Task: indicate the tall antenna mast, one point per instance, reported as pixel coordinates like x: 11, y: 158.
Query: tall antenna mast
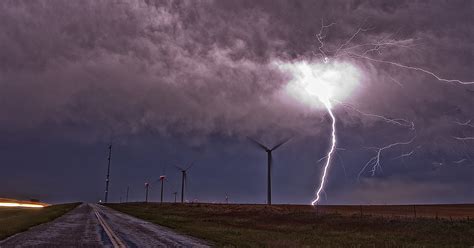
x: 108, y: 175
x: 269, y: 177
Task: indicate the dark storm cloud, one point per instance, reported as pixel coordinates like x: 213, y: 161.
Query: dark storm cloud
x: 127, y: 66
x: 183, y: 64
x: 91, y: 69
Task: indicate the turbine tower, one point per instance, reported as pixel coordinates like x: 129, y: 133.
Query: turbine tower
x: 162, y: 179
x: 175, y: 193
x: 107, y: 179
x: 183, y: 179
x: 147, y: 185
x: 269, y: 165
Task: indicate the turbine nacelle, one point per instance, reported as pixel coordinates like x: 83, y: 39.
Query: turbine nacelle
x: 265, y: 148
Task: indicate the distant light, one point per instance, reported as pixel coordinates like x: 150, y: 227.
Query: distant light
x: 21, y: 205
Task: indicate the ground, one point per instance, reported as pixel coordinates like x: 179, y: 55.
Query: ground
x: 14, y: 220
x: 307, y: 226
x: 93, y: 225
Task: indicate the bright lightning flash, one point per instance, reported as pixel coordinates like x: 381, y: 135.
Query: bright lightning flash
x: 326, y: 81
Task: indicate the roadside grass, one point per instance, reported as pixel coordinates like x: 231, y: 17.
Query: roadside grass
x: 301, y: 226
x: 15, y: 220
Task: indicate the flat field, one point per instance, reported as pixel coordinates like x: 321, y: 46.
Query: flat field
x: 237, y: 225
x: 14, y: 220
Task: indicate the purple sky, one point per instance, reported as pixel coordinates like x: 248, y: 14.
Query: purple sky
x: 178, y: 81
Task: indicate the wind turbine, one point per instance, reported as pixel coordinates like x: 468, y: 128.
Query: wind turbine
x: 147, y: 185
x: 183, y: 179
x: 162, y: 179
x: 269, y: 164
x: 175, y: 193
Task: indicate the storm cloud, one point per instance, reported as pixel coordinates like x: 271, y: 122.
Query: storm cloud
x: 87, y: 71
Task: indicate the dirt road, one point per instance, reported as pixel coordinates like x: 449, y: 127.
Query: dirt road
x: 92, y: 225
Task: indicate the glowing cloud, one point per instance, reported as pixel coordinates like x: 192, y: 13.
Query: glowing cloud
x: 329, y: 81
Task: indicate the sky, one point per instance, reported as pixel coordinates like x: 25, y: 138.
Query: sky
x: 170, y: 83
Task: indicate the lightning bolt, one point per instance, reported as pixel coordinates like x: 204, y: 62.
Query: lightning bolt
x: 375, y: 160
x: 328, y: 106
x: 466, y: 123
x: 439, y: 78
x: 398, y: 121
x: 345, y: 50
x: 320, y: 37
x: 460, y: 161
x: 408, y: 154
x: 464, y: 138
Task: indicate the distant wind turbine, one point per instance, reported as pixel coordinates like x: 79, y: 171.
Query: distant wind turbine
x: 147, y: 185
x: 175, y: 193
x: 269, y: 163
x: 162, y: 179
x: 183, y: 179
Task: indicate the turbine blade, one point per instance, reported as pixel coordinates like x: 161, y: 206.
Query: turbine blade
x: 191, y: 165
x: 258, y: 144
x: 177, y: 167
x: 280, y: 144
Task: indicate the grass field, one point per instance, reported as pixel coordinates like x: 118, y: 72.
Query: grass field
x: 304, y: 226
x: 14, y: 220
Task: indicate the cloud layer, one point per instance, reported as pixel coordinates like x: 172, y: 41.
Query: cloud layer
x: 89, y: 70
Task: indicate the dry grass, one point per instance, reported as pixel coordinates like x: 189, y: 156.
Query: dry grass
x: 15, y: 220
x: 306, y: 226
x: 452, y: 211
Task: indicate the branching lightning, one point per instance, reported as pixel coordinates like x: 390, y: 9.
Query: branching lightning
x: 460, y: 161
x: 374, y: 162
x: 467, y: 123
x: 464, y: 138
x: 320, y: 37
x: 398, y: 121
x: 323, y: 92
x: 412, y: 68
x: 378, y: 46
x: 408, y: 154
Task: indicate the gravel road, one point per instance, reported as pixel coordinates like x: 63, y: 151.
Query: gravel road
x: 92, y: 225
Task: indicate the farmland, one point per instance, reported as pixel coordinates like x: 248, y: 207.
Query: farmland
x: 306, y: 226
